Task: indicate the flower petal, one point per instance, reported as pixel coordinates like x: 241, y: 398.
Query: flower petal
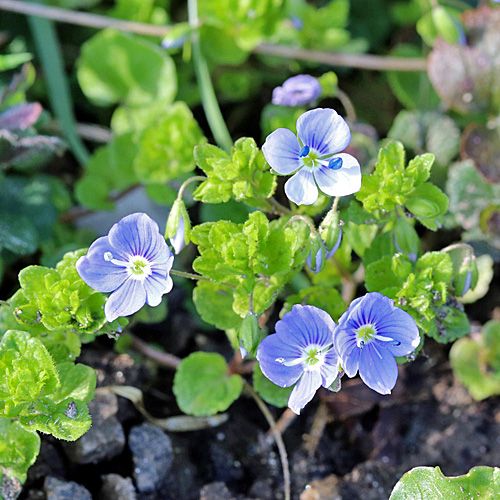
x: 98, y: 273
x: 156, y: 286
x: 304, y: 391
x: 330, y: 368
x: 304, y: 326
x: 271, y: 349
x: 349, y: 352
x: 378, y: 368
x: 125, y: 300
x: 301, y: 188
x: 323, y: 130
x: 342, y: 182
x: 281, y: 151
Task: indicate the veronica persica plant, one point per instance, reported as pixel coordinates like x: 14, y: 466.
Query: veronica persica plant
x: 314, y: 156
x: 369, y: 335
x: 300, y: 351
x: 297, y: 91
x: 133, y: 262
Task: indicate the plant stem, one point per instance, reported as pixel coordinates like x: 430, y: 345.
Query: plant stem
x: 188, y: 181
x: 278, y: 208
x: 348, y: 106
x: 277, y: 436
x: 198, y: 277
x: 162, y: 358
x: 208, y: 98
x: 306, y: 220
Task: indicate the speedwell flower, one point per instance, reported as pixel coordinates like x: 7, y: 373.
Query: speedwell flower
x: 301, y: 350
x: 133, y: 262
x: 370, y: 334
x: 314, y: 157
x: 297, y: 91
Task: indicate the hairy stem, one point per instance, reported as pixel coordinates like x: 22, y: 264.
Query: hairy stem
x: 277, y: 436
x: 198, y: 277
x: 188, y: 181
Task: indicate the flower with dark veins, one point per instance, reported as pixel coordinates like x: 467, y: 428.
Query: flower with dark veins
x: 297, y: 91
x: 314, y: 157
x: 369, y: 336
x: 133, y: 263
x: 302, y: 352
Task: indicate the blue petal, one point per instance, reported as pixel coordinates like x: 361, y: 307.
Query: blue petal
x: 272, y: 348
x: 100, y: 274
x: 324, y: 130
x: 281, y: 151
x: 138, y: 234
x: 349, y: 352
x: 125, y: 300
x: 304, y: 391
x: 378, y: 368
x: 306, y: 325
x: 301, y: 188
x: 330, y: 368
x: 341, y: 182
x: 156, y: 286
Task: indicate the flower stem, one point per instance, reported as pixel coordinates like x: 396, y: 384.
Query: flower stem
x: 188, y: 181
x: 198, y: 277
x: 278, y: 208
x: 348, y: 106
x: 208, y: 98
x: 306, y: 220
x: 277, y: 436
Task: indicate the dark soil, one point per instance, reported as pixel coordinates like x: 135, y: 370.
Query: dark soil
x: 351, y: 445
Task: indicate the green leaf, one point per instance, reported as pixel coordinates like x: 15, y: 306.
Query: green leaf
x: 202, y: 385
x: 269, y: 392
x: 27, y: 372
x: 427, y: 202
x: 67, y: 420
x: 428, y: 483
x: 77, y: 382
x: 109, y: 170
x: 219, y: 46
x: 249, y: 333
x: 440, y: 263
x: 214, y: 304
x: 166, y: 148
x: 116, y: 67
x: 380, y: 276
x: 18, y: 449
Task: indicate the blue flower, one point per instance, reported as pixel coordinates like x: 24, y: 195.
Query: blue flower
x: 300, y: 351
x: 313, y: 157
x: 297, y: 91
x: 370, y: 334
x: 322, y: 255
x: 133, y: 262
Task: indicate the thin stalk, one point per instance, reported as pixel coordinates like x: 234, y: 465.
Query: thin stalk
x: 348, y: 106
x: 198, y: 277
x: 163, y: 358
x: 306, y: 220
x: 277, y: 436
x: 208, y: 98
x: 278, y: 208
x: 188, y: 181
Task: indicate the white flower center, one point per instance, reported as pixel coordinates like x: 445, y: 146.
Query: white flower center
x: 368, y: 333
x: 312, y: 359
x: 137, y: 266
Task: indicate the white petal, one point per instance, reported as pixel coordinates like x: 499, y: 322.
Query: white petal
x: 346, y: 180
x: 304, y: 391
x: 301, y: 188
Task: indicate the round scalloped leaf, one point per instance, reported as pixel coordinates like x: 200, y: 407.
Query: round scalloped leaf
x: 202, y: 385
x: 428, y: 483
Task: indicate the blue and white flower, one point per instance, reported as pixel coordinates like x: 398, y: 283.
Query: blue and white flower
x: 369, y: 335
x: 297, y: 91
x: 301, y: 351
x: 314, y: 157
x: 133, y: 262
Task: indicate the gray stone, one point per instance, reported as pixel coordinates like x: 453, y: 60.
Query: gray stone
x: 215, y: 491
x: 10, y: 488
x: 116, y: 487
x: 152, y: 454
x: 105, y: 439
x: 56, y: 489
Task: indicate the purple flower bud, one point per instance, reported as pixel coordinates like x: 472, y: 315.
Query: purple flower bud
x: 178, y: 241
x: 319, y: 255
x: 297, y: 91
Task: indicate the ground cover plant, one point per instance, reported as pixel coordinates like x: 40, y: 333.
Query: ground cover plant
x: 249, y: 249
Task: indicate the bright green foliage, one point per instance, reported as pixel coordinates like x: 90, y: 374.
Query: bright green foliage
x: 442, y: 22
x: 421, y: 289
x: 109, y: 169
x: 250, y: 334
x: 116, y: 67
x: 393, y: 184
x: 31, y: 388
x: 465, y: 270
x: 242, y: 175
x: 326, y: 298
x: 202, y: 385
x: 18, y: 449
x: 28, y: 211
x: 214, y: 304
x: 476, y: 361
x: 270, y: 393
x: 58, y: 298
x: 246, y: 22
x: 166, y: 147
x: 427, y: 483
x: 257, y: 257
